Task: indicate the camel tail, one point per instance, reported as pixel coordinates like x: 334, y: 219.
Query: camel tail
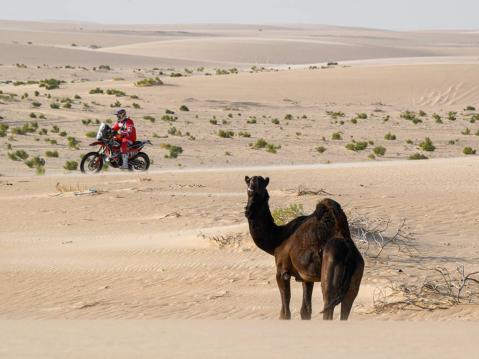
x: 341, y: 269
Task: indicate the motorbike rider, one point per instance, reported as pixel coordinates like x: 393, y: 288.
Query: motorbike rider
x: 126, y: 134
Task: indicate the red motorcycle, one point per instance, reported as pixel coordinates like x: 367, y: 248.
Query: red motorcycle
x: 110, y: 153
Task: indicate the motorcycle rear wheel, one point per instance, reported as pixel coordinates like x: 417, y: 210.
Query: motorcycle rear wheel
x: 92, y: 162
x: 141, y: 162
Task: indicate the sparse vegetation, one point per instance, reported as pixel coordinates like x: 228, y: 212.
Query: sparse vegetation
x: 149, y: 82
x: 173, y: 151
x: 469, y: 151
x: 418, y: 156
x: 51, y: 154
x: 427, y: 145
x: 225, y: 134
x: 321, y: 149
x: 336, y: 136
x: 71, y: 165
x: 281, y: 216
x: 50, y: 84
x: 379, y: 151
x: 184, y: 108
x: 357, y: 146
x: 389, y: 136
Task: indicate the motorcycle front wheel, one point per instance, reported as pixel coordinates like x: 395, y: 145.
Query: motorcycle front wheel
x: 91, y: 163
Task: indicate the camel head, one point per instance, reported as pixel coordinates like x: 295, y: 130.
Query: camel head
x: 257, y: 194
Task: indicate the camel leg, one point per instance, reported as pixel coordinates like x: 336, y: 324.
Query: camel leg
x: 348, y: 300
x: 307, y: 308
x: 327, y: 285
x: 285, y: 289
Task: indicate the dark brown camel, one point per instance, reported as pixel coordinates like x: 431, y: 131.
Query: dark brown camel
x: 314, y: 248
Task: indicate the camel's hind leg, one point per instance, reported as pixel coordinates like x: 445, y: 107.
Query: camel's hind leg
x: 306, y: 308
x: 350, y: 296
x: 283, y: 280
x: 328, y: 286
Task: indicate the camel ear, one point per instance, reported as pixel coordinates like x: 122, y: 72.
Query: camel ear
x: 266, y: 181
x: 247, y: 179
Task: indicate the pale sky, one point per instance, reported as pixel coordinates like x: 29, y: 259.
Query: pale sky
x: 386, y: 14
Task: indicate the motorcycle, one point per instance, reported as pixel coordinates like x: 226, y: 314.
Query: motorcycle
x: 110, y: 153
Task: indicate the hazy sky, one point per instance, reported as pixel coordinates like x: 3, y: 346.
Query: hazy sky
x: 387, y: 14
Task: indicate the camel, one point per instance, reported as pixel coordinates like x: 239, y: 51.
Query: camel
x: 313, y: 248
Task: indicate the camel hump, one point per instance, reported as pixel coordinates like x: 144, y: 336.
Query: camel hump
x: 329, y: 205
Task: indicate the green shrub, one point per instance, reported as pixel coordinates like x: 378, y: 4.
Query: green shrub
x: 417, y: 156
x: 96, y: 91
x: 451, y: 116
x: 437, y: 118
x: 288, y: 117
x: 275, y: 121
x: 469, y: 151
x: 169, y: 112
x: 335, y: 114
x: 36, y: 104
x: 427, y: 145
x: 470, y: 108
x: 336, y: 136
x: 90, y: 134
x: 321, y: 149
x: 260, y: 143
x: 169, y: 118
x: 115, y: 92
x: 18, y: 155
x: 50, y: 84
x: 174, y: 151
x: 51, y: 154
x: 281, y: 216
x: 362, y: 116
x: 35, y: 162
x: 136, y: 106
x: 104, y: 67
x: 73, y: 143
x: 149, y: 82
x: 244, y: 134
x: 3, y: 129
x: 389, y: 136
x: 466, y: 131
x: 71, y: 165
x: 149, y: 118
x: 357, y: 146
x: 379, y: 151
x: 213, y: 122
x: 422, y: 113
x: 225, y: 134
x: 184, y: 108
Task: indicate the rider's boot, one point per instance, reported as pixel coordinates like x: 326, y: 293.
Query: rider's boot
x: 124, y: 158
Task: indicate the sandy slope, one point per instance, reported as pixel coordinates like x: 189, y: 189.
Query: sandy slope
x: 235, y: 339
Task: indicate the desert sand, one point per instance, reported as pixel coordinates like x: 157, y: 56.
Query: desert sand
x: 116, y: 264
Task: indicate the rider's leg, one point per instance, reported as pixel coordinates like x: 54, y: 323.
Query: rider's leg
x: 124, y: 153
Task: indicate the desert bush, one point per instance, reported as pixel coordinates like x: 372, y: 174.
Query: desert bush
x: 379, y: 150
x: 469, y: 151
x: 275, y: 121
x: 417, y: 156
x: 281, y: 216
x: 335, y: 114
x: 149, y: 118
x: 28, y: 127
x: 251, y: 120
x: 96, y: 91
x: 173, y: 151
x: 169, y: 112
x: 104, y: 67
x: 437, y: 118
x: 260, y: 143
x: 357, y: 146
x: 55, y: 105
x: 362, y: 116
x: 354, y: 121
x: 410, y: 116
x: 148, y: 82
x: 389, y: 136
x: 50, y: 84
x: 225, y: 134
x: 3, y: 129
x: 67, y: 105
x: 336, y: 136
x: 470, y: 108
x: 466, y: 131
x: 451, y: 116
x: 36, y: 104
x: 71, y: 165
x: 422, y: 113
x: 51, y: 154
x: 38, y: 163
x: 136, y: 106
x: 55, y: 129
x: 321, y: 149
x: 427, y: 145
x: 184, y: 108
x: 115, y: 92
x: 288, y: 117
x: 213, y: 121
x: 169, y: 118
x: 63, y: 133
x: 244, y: 134
x: 73, y: 143
x: 18, y: 155
x: 174, y: 131
x: 90, y: 134
x: 116, y: 104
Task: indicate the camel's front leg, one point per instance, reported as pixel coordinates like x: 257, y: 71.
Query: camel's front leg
x: 307, y: 308
x: 285, y: 289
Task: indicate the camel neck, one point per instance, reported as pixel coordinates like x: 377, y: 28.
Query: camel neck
x: 264, y: 231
